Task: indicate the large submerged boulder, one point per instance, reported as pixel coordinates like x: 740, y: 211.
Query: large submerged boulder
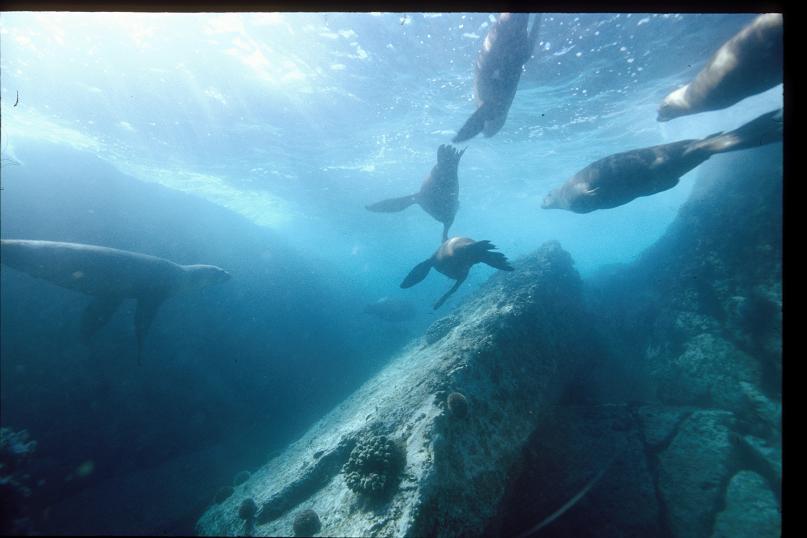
x: 393, y: 459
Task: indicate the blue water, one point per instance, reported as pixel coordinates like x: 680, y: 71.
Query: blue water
x: 253, y: 142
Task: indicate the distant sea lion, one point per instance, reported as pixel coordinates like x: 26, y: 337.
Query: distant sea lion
x: 507, y: 47
x: 439, y: 193
x: 393, y: 310
x: 747, y: 64
x: 454, y: 258
x: 110, y: 275
x: 619, y: 178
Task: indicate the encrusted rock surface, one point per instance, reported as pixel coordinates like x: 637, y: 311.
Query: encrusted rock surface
x: 751, y: 509
x: 511, y: 354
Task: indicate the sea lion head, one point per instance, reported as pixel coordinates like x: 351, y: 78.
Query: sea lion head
x: 202, y: 276
x: 554, y: 200
x: 674, y: 105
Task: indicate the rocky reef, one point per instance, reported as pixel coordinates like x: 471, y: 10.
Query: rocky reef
x: 684, y: 409
x: 510, y: 351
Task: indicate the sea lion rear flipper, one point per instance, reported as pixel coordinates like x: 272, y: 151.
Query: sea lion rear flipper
x: 97, y: 314
x: 494, y: 259
x: 765, y: 129
x: 147, y: 306
x: 447, y: 294
x: 393, y: 204
x: 474, y: 125
x: 417, y: 274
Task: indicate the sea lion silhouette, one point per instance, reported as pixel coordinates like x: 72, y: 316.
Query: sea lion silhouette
x: 505, y: 51
x: 110, y: 276
x: 747, y: 64
x: 454, y: 258
x: 622, y: 177
x: 439, y: 193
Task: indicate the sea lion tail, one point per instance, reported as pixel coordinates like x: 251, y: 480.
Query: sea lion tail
x: 417, y: 274
x: 766, y: 129
x: 494, y: 259
x: 393, y: 205
x: 448, y: 155
x: 474, y: 125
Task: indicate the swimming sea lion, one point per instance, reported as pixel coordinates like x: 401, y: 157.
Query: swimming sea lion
x: 747, y: 64
x: 439, y: 193
x: 619, y: 178
x: 110, y: 275
x: 507, y: 47
x: 454, y: 258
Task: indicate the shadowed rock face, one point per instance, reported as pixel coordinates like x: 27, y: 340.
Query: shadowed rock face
x: 511, y: 353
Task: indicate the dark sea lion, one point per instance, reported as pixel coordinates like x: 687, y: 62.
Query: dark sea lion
x: 507, y: 47
x: 619, y: 178
x: 454, y: 258
x: 393, y: 310
x: 439, y: 193
x: 747, y: 64
x: 110, y: 275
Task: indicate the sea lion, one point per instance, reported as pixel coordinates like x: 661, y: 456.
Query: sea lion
x: 439, y: 193
x: 619, y: 178
x: 110, y: 276
x: 454, y: 258
x: 747, y: 64
x: 505, y: 51
x: 392, y: 310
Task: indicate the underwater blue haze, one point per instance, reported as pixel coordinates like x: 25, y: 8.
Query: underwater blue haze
x: 253, y: 142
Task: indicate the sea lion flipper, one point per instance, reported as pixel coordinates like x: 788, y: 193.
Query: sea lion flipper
x: 393, y: 204
x: 533, y: 36
x: 147, y: 306
x: 447, y: 294
x: 474, y: 125
x: 97, y: 314
x: 417, y: 274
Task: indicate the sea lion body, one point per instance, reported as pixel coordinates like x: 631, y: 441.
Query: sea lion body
x: 506, y: 49
x: 622, y: 177
x: 109, y: 275
x: 747, y: 64
x: 438, y: 194
x: 454, y: 258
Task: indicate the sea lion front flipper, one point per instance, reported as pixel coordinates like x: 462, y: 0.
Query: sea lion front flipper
x: 447, y: 294
x: 533, y: 36
x: 97, y: 314
x: 474, y: 125
x: 417, y: 274
x: 147, y: 306
x: 393, y: 205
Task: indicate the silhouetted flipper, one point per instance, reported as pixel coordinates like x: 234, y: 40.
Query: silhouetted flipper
x: 147, y: 307
x: 494, y: 259
x: 393, y: 204
x: 97, y: 314
x: 474, y: 125
x: 417, y: 274
x: 447, y: 294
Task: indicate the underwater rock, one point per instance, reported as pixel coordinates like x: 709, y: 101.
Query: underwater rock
x: 223, y: 494
x: 708, y: 373
x: 306, y: 523
x: 247, y: 509
x: 240, y: 478
x: 16, y: 449
x: 440, y: 328
x: 751, y: 509
x: 457, y: 405
x: 693, y: 471
x: 374, y: 466
x: 571, y: 446
x: 515, y: 348
x: 659, y: 423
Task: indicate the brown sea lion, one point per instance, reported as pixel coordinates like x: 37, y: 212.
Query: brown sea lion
x: 439, y: 193
x: 622, y: 177
x: 507, y: 47
x: 454, y: 258
x: 747, y: 64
